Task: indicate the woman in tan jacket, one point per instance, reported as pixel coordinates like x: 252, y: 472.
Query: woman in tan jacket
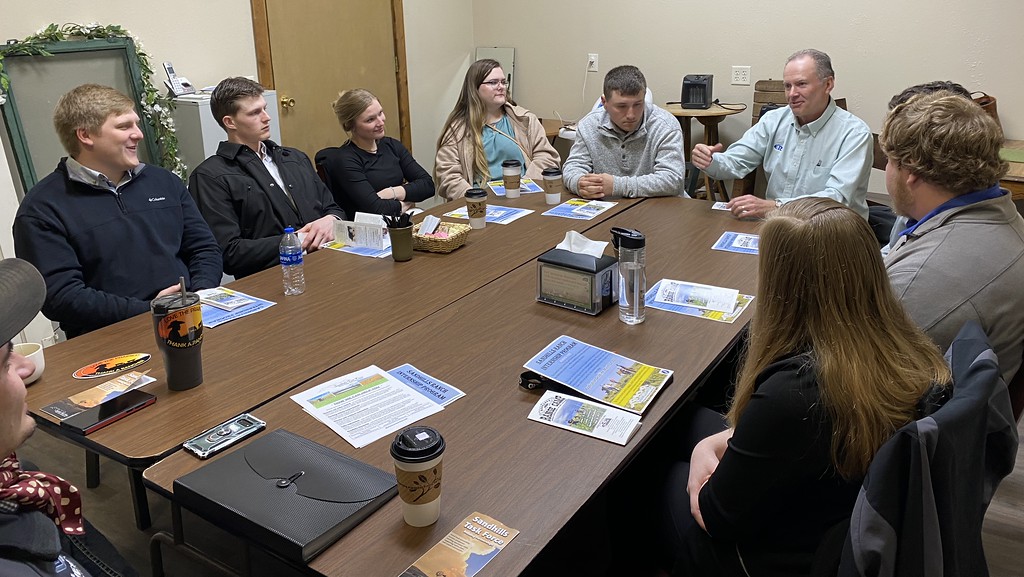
x: 498, y: 131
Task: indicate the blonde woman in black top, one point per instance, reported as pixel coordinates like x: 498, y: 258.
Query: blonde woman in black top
x: 371, y: 172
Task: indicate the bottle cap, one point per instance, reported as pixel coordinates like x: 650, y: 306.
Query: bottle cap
x: 627, y: 238
x: 289, y: 230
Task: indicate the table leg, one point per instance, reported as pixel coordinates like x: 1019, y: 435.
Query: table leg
x: 713, y: 187
x: 176, y: 540
x: 92, y: 469
x: 139, y: 499
x: 684, y: 123
x: 690, y: 172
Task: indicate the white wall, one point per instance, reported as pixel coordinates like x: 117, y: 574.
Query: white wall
x: 878, y: 47
x: 206, y: 41
x: 439, y: 49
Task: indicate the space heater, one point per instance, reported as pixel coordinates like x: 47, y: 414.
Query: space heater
x: 697, y: 90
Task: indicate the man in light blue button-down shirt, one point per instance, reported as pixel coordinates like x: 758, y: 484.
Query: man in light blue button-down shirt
x: 809, y: 148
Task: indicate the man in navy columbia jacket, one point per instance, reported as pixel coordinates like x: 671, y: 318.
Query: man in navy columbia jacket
x: 107, y: 232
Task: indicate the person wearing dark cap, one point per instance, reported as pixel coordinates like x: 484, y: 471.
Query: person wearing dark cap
x: 42, y: 531
x: 253, y: 188
x: 108, y: 232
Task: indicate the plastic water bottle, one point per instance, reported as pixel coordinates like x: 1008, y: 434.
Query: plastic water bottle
x: 632, y: 275
x: 291, y: 263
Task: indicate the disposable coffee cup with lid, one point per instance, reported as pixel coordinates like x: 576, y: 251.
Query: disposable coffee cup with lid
x: 476, y: 207
x: 417, y: 452
x: 553, y: 185
x: 511, y: 172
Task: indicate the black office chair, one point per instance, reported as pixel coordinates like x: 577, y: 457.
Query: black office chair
x: 923, y: 501
x: 880, y: 216
x: 1016, y: 387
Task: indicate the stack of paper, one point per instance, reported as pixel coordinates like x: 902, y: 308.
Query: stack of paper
x: 626, y: 385
x: 579, y: 209
x: 697, y: 300
x: 369, y: 404
x: 221, y: 305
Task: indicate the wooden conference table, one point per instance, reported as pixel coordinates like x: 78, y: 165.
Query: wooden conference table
x: 351, y: 303
x: 527, y: 475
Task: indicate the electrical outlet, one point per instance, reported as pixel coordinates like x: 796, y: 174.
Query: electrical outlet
x: 592, y: 62
x: 741, y: 75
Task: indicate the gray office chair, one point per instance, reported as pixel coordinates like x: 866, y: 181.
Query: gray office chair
x: 923, y: 500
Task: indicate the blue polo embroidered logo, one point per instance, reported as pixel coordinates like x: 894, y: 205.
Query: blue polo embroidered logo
x: 778, y: 147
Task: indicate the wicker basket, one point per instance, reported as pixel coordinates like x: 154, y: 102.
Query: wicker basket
x: 457, y: 234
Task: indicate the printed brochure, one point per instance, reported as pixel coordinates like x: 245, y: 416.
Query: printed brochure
x: 214, y: 315
x: 90, y: 398
x: 526, y: 186
x: 599, y: 374
x: 370, y: 404
x: 742, y: 301
x: 737, y: 242
x: 580, y: 209
x: 465, y: 550
x: 495, y: 214
x: 681, y: 293
x: 224, y: 298
x: 582, y: 416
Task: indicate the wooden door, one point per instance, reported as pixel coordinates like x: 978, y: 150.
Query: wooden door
x: 310, y: 50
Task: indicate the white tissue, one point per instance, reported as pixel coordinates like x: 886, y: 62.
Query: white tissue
x: 576, y: 242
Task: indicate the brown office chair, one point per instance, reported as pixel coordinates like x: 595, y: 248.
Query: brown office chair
x: 766, y: 92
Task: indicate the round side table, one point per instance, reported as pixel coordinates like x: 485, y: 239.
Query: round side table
x: 709, y: 118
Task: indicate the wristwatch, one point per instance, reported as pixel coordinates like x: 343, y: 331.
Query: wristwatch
x: 778, y: 202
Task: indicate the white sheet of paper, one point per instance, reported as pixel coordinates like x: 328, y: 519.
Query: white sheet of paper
x: 365, y: 405
x: 697, y: 295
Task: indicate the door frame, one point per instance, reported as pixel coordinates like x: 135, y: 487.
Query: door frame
x: 265, y: 64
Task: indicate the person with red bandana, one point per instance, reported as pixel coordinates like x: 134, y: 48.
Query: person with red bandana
x: 42, y: 531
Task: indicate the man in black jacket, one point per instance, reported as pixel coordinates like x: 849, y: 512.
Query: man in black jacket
x: 253, y: 188
x: 107, y: 232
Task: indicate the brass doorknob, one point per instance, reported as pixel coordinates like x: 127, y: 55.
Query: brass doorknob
x: 287, y: 102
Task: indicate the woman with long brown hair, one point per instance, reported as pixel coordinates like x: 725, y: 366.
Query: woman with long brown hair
x: 485, y: 129
x: 833, y: 367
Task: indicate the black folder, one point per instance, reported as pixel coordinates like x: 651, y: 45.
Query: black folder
x: 286, y: 493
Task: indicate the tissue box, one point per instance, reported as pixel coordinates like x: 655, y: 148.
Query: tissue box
x: 577, y: 282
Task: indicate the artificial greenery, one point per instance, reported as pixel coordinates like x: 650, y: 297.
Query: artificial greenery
x: 155, y: 108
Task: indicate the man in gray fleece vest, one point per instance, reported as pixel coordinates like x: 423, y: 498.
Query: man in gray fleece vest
x: 626, y: 148
x: 960, y: 255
